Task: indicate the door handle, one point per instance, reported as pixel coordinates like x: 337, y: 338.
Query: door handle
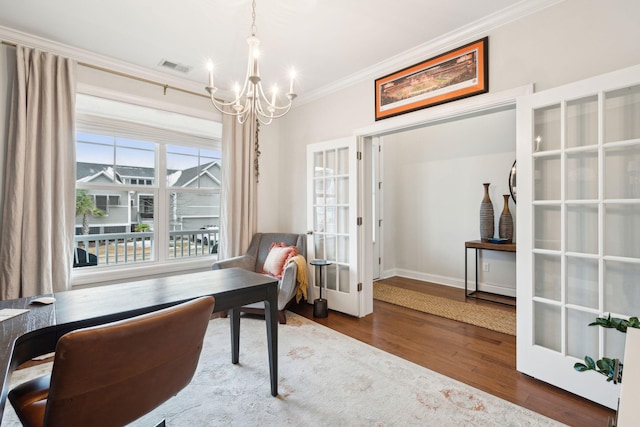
x: 310, y: 232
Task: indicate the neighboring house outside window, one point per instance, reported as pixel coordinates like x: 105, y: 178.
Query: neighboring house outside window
x: 160, y: 201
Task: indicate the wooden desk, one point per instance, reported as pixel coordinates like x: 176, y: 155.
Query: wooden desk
x: 37, y: 332
x: 480, y: 245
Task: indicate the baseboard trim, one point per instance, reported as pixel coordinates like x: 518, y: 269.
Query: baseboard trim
x: 449, y: 281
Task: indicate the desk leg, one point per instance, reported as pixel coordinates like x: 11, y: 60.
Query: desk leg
x: 235, y: 335
x: 271, y: 317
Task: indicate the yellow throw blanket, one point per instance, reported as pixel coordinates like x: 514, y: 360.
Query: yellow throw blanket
x: 301, y: 276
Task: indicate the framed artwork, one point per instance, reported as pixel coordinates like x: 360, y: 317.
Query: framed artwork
x: 453, y: 75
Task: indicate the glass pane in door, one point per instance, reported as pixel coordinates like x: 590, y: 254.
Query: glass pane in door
x: 582, y: 175
x: 547, y: 227
x: 546, y: 133
x: 548, y: 322
x: 622, y: 172
x: 546, y: 272
x: 621, y: 114
x: 582, y: 122
x: 621, y: 287
x: 582, y: 282
x: 582, y: 228
x: 622, y: 230
x: 581, y: 341
x: 546, y: 175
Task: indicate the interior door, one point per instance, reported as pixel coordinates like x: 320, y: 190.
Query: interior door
x: 578, y: 160
x: 332, y: 217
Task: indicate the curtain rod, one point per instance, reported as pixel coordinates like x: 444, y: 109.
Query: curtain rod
x: 129, y: 76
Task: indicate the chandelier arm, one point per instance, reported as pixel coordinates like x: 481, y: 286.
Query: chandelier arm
x: 215, y: 101
x: 264, y: 97
x: 242, y: 93
x: 219, y: 106
x: 243, y: 118
x: 286, y: 110
x: 274, y: 105
x: 258, y: 108
x: 264, y: 121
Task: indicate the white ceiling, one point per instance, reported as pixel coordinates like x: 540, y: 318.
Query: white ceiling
x: 325, y: 40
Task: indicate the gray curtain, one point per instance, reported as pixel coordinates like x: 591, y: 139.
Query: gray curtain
x: 238, y: 204
x: 36, y: 249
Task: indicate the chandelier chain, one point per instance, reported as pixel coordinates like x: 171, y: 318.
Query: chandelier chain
x: 253, y: 18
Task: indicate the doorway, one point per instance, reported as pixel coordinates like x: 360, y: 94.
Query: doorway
x: 426, y: 193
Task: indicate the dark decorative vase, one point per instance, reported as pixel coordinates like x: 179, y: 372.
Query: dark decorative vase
x: 505, y: 226
x: 486, y: 216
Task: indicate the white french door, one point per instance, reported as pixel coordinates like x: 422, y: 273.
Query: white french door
x: 332, y: 218
x: 578, y: 162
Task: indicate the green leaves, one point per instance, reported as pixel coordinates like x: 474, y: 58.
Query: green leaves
x: 604, y: 366
x: 616, y: 323
x: 607, y: 366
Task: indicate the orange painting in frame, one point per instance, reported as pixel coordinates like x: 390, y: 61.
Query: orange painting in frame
x: 457, y: 74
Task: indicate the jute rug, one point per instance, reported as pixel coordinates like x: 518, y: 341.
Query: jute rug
x: 325, y: 379
x: 486, y: 317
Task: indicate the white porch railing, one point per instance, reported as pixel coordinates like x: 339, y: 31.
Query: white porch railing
x: 122, y: 248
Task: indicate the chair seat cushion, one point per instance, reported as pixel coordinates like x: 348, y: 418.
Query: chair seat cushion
x: 277, y: 259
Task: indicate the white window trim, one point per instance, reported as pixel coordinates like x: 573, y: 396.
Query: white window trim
x: 163, y: 266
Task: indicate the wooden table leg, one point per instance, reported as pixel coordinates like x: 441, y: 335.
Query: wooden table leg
x: 271, y: 317
x: 235, y: 335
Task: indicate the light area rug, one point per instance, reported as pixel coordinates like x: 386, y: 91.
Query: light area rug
x: 325, y: 379
x: 483, y: 316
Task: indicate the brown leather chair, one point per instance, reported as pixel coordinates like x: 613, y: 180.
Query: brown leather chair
x: 112, y: 374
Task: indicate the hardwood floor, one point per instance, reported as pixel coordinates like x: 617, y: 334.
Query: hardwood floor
x: 476, y: 356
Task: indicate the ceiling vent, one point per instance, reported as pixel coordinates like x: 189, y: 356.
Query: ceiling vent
x: 175, y: 66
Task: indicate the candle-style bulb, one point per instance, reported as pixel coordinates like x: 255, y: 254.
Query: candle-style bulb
x: 292, y: 74
x: 236, y: 89
x: 210, y: 68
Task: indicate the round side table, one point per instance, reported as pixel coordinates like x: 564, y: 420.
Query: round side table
x: 320, y: 307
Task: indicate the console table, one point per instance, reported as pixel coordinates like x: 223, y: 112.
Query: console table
x: 479, y: 245
x: 37, y: 331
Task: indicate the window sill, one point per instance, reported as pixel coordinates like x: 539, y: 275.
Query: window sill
x: 100, y: 276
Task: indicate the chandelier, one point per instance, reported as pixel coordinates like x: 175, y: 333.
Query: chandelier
x: 250, y: 100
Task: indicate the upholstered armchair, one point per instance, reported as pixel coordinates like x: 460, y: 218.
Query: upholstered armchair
x: 254, y: 260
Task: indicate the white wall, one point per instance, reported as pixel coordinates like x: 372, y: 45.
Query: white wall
x: 432, y: 185
x: 148, y: 94
x: 566, y: 42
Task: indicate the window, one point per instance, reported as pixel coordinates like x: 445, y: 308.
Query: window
x: 156, y: 190
x: 103, y: 201
x: 145, y: 204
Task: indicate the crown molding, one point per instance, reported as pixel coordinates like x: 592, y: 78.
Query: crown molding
x: 429, y: 49
x: 11, y: 36
x: 434, y: 47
